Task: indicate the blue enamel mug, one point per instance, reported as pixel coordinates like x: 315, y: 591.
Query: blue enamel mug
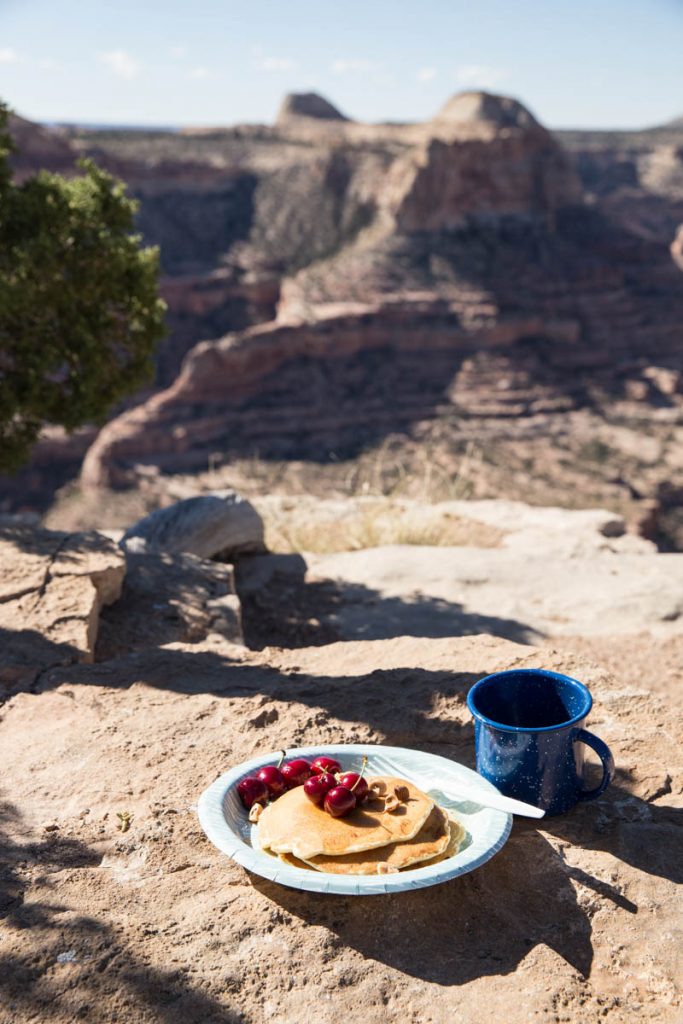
x: 529, y: 737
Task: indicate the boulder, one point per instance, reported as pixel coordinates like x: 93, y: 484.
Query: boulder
x: 218, y: 525
x: 52, y: 586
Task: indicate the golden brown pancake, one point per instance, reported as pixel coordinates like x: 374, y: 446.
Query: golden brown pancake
x: 431, y: 840
x: 455, y: 839
x: 293, y: 824
x: 457, y: 834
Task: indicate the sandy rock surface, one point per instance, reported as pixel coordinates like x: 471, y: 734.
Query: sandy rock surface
x: 445, y: 591
x: 573, y: 921
x: 540, y: 574
x: 52, y: 587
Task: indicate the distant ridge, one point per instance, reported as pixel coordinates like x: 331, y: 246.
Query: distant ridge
x: 97, y: 126
x: 308, y: 104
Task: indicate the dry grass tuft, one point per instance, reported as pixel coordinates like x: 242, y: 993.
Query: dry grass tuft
x: 324, y: 527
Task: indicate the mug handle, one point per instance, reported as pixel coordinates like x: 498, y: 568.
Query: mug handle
x: 605, y: 755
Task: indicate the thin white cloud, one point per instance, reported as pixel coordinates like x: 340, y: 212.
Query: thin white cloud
x: 177, y: 52
x: 276, y: 64
x: 49, y: 65
x: 354, y: 66
x: 201, y: 74
x: 8, y: 55
x: 480, y: 76
x: 426, y: 75
x: 121, y: 64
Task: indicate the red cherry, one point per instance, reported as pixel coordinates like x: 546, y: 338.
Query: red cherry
x: 356, y: 783
x: 318, y: 786
x: 296, y: 772
x: 252, y: 791
x: 325, y: 764
x: 274, y: 780
x: 339, y: 801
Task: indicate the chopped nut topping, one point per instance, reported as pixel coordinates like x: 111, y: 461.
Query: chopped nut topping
x: 402, y: 793
x: 392, y: 803
x: 377, y: 787
x: 255, y: 812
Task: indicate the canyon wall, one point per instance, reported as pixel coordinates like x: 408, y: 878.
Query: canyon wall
x: 459, y: 275
x: 367, y: 279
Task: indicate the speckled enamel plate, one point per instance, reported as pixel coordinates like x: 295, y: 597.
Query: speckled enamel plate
x: 225, y: 822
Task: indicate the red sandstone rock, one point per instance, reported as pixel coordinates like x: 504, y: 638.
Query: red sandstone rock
x: 40, y: 148
x: 447, y: 269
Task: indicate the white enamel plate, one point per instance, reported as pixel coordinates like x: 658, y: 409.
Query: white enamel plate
x: 225, y: 822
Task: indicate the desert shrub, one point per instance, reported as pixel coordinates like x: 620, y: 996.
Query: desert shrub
x: 80, y: 314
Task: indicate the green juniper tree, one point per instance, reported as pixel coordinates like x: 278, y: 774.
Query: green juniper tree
x: 79, y: 309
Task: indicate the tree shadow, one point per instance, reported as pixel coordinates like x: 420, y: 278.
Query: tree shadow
x: 404, y: 706
x: 281, y: 607
x: 26, y: 654
x: 481, y: 924
x: 43, y: 939
x: 397, y: 704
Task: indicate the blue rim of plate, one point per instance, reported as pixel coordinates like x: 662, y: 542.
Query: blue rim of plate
x: 225, y: 822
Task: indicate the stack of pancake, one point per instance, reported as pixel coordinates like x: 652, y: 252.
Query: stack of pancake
x: 371, y: 840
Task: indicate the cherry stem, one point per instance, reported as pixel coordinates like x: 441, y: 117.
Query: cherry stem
x: 283, y: 756
x: 360, y: 774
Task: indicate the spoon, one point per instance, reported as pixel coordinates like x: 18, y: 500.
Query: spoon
x: 460, y: 790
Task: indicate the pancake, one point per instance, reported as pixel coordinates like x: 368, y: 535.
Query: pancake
x: 431, y: 840
x: 456, y: 836
x: 293, y: 824
x: 455, y: 840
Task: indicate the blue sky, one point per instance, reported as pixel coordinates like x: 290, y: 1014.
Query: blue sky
x: 586, y: 63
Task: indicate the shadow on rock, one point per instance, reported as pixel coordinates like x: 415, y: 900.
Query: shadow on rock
x: 639, y: 832
x: 481, y: 924
x: 60, y: 966
x: 403, y: 706
x: 281, y: 607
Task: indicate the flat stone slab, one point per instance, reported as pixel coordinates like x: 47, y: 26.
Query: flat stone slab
x: 52, y: 587
x: 575, y: 920
x: 522, y: 594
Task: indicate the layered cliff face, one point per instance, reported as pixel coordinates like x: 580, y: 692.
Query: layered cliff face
x: 439, y: 279
x: 41, y: 148
x: 459, y: 277
x: 483, y: 155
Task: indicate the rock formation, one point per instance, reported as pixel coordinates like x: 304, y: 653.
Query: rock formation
x: 76, y: 597
x: 537, y: 281
x: 460, y: 268
x: 53, y: 588
x: 604, y: 582
x: 219, y: 525
x: 38, y: 147
x: 485, y: 155
x: 307, y: 104
x: 170, y: 598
